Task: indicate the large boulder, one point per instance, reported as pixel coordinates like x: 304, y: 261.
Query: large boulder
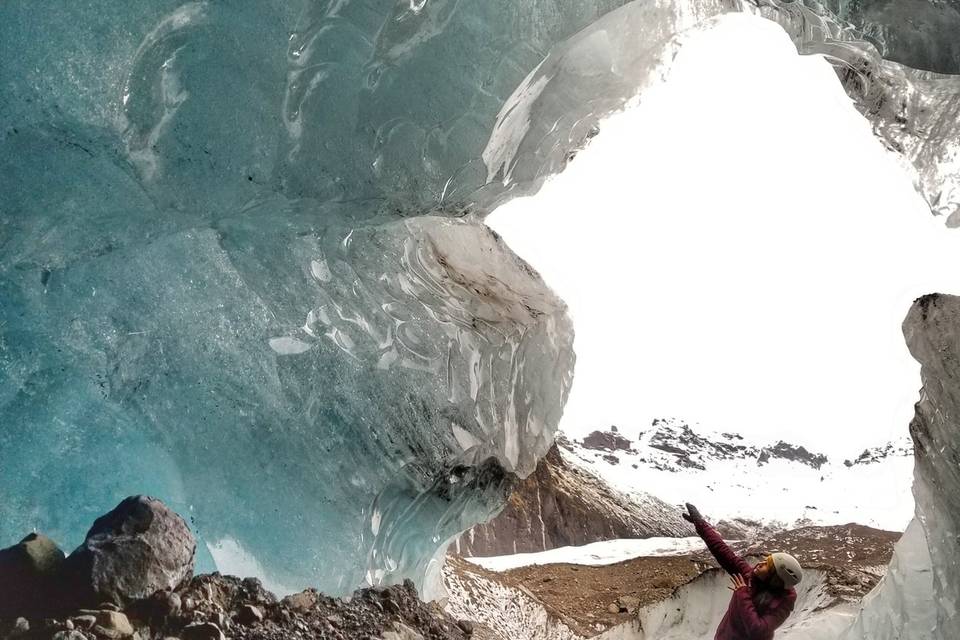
x: 137, y: 549
x: 26, y: 575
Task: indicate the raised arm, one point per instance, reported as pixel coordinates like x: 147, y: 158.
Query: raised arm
x: 730, y: 561
x: 759, y: 627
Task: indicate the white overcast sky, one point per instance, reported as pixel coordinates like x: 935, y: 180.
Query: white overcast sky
x: 739, y: 251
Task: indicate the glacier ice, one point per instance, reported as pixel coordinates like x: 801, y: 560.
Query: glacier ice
x: 240, y: 268
x: 919, y: 596
x: 557, y: 107
x: 917, y: 33
x: 932, y: 331
x: 345, y: 386
x: 899, y: 606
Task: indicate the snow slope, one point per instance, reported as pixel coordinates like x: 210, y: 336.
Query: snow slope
x: 729, y: 477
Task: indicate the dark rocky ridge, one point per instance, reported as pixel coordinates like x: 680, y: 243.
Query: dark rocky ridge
x: 606, y: 441
x: 786, y: 451
x: 874, y: 455
x: 689, y: 447
x: 691, y: 450
x: 560, y: 505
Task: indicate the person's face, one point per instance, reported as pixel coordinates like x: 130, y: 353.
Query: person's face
x: 766, y: 572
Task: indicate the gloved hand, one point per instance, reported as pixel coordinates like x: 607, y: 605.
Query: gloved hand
x: 693, y: 514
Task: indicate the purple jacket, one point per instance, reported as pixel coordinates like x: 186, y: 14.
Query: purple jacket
x: 755, y: 612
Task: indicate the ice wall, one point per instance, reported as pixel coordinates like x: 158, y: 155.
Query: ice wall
x: 206, y: 104
x: 213, y: 289
x: 920, y: 595
x: 208, y: 291
x: 918, y: 33
x: 900, y: 605
x: 932, y: 330
x: 315, y: 399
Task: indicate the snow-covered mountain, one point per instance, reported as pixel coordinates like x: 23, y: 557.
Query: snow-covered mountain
x: 749, y: 483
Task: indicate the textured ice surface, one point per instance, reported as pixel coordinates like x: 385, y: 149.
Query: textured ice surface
x: 932, y: 330
x: 920, y: 595
x: 309, y: 396
x: 900, y: 605
x: 558, y: 105
x: 208, y: 291
x: 918, y: 33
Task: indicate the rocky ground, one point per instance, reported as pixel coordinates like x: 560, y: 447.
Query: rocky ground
x: 853, y: 556
x: 214, y: 607
x: 132, y: 579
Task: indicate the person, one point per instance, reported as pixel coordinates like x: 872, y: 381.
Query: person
x: 763, y: 595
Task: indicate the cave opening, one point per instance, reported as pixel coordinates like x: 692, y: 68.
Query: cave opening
x: 738, y: 251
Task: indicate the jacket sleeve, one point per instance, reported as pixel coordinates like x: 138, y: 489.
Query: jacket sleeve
x: 730, y: 561
x: 755, y: 626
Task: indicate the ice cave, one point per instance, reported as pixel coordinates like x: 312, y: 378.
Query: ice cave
x: 244, y: 266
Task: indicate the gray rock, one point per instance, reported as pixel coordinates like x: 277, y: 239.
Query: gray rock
x: 221, y: 619
x: 28, y: 568
x: 69, y: 634
x: 628, y: 603
x: 249, y: 615
x: 112, y: 625
x: 302, y: 601
x: 160, y: 606
x: 202, y: 631
x: 137, y: 549
x: 20, y: 627
x: 84, y: 621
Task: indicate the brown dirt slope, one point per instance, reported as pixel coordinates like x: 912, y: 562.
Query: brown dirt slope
x: 580, y: 596
x: 561, y: 505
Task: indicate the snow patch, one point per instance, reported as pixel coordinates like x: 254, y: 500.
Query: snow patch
x: 595, y: 554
